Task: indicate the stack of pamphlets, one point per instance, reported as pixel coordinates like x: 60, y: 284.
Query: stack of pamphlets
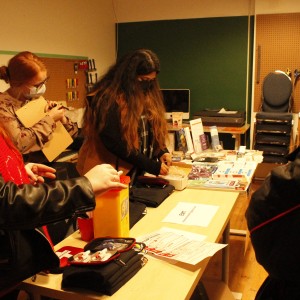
x: 243, y: 170
x: 223, y: 184
x: 202, y: 170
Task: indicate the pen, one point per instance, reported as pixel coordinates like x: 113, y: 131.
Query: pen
x: 64, y: 107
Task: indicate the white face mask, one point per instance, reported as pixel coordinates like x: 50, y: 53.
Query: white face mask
x: 36, y: 92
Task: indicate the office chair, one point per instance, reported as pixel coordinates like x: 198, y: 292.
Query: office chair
x: 277, y: 92
x: 274, y: 122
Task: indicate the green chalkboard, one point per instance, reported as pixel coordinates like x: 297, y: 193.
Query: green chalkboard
x: 207, y: 56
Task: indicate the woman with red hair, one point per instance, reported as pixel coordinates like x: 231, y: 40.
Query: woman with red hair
x: 27, y: 76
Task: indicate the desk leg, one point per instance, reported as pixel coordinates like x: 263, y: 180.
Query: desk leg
x: 225, y: 254
x: 237, y: 141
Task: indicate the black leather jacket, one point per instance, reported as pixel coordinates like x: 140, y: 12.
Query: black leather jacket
x: 24, y: 250
x: 273, y: 218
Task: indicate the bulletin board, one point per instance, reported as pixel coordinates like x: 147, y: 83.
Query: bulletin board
x: 66, y: 84
x: 277, y: 48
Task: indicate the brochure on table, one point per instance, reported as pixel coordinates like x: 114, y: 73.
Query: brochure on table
x: 230, y: 171
x: 178, y: 245
x: 225, y: 175
x: 198, y: 135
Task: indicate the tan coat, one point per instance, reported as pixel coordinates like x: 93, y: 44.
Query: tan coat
x: 93, y: 152
x: 32, y: 139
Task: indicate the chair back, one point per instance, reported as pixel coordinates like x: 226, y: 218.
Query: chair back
x: 277, y: 92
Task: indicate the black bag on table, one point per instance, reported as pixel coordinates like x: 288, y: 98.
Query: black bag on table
x: 106, y: 276
x: 137, y: 210
x: 151, y: 191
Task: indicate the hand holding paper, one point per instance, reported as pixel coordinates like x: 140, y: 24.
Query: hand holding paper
x: 32, y: 113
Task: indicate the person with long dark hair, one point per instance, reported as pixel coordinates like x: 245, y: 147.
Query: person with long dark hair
x: 124, y: 120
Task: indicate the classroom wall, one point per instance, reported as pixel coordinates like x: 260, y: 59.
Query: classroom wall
x: 276, y: 7
x: 86, y: 28
x: 136, y: 10
x: 68, y: 27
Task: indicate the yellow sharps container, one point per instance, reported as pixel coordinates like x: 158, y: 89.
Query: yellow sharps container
x: 111, y: 214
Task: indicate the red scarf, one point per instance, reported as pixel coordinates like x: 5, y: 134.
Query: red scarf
x: 12, y: 168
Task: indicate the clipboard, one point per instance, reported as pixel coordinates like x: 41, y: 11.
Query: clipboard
x: 33, y: 112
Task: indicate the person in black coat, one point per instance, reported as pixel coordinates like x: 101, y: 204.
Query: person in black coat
x: 24, y: 250
x: 273, y: 218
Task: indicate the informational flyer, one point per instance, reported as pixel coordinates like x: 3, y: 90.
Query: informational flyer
x: 198, y: 135
x: 179, y: 245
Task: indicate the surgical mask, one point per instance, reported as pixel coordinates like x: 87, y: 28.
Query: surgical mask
x: 35, y: 92
x: 146, y: 85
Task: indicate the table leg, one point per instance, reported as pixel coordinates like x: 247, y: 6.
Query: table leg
x: 237, y: 141
x: 225, y: 254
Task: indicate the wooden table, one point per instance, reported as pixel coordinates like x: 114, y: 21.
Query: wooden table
x: 236, y: 132
x: 158, y: 279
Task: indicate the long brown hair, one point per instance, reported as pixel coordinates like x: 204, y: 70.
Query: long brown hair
x: 119, y: 86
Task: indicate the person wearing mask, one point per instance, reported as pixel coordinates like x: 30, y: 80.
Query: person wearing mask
x: 124, y: 120
x: 27, y: 77
x: 273, y: 218
x: 27, y: 203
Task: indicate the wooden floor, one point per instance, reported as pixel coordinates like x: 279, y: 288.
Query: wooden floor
x: 246, y: 275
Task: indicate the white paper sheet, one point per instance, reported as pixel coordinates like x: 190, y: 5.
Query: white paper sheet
x: 191, y: 214
x: 179, y: 245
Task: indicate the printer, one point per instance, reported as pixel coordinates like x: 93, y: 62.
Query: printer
x: 221, y: 117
